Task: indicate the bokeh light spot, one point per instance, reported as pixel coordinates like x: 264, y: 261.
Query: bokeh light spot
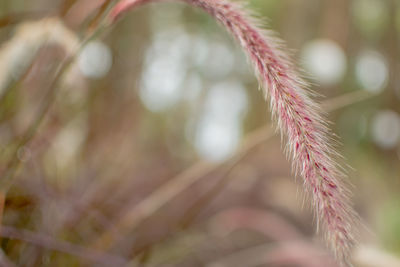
x: 165, y: 70
x: 325, y: 60
x: 372, y: 71
x: 95, y: 60
x: 386, y: 129
x: 219, y: 130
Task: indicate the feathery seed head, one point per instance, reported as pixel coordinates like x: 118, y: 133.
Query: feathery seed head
x: 297, y: 115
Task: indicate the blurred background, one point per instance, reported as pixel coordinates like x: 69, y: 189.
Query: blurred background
x: 154, y: 147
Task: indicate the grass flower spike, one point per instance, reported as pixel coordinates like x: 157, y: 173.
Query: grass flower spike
x: 308, y: 144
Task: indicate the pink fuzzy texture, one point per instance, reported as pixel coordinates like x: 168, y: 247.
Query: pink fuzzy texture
x: 298, y: 118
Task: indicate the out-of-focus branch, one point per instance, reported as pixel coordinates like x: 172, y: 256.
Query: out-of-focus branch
x: 194, y: 210
x: 267, y: 223
x: 148, y: 206
x: 172, y: 188
x: 61, y: 246
x: 87, y: 13
x: 52, y: 31
x: 347, y: 99
x: 18, y: 53
x: 15, y: 58
x: 66, y: 6
x: 298, y: 253
x: 100, y: 13
x: 36, y: 35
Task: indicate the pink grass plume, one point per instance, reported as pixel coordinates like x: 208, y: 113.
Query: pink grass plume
x: 308, y: 143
